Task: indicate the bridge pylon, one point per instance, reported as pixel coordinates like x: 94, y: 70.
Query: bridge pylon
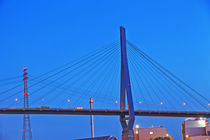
x: 27, y: 131
x: 127, y: 123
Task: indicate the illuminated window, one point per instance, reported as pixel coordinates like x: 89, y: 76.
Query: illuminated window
x: 137, y: 132
x: 151, y: 133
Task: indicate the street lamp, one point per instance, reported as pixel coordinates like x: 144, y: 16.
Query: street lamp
x: 16, y: 101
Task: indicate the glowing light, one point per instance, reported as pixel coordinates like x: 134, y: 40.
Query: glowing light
x: 184, y: 104
x: 140, y: 102
x: 136, y: 132
x: 25, y: 68
x: 68, y: 100
x: 202, y: 118
x: 151, y: 133
x: 91, y: 100
x: 116, y: 102
x: 208, y: 104
x: 137, y: 126
x: 16, y: 99
x: 161, y: 103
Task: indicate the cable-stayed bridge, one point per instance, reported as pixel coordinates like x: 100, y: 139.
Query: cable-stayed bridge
x: 104, y: 112
x: 122, y: 80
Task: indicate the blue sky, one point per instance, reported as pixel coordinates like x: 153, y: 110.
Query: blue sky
x: 44, y: 34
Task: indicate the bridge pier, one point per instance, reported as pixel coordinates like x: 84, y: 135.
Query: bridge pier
x: 127, y: 123
x: 127, y: 135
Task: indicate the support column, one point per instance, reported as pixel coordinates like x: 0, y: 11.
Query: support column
x: 125, y: 90
x: 91, y: 119
x: 27, y: 131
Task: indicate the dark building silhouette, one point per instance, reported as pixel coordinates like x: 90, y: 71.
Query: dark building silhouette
x: 101, y: 138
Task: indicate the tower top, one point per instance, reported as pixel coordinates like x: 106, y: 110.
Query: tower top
x: 91, y: 100
x: 25, y: 68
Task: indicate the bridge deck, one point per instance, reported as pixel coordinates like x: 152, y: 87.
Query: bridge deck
x: 105, y: 112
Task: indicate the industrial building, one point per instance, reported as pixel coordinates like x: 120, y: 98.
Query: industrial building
x: 148, y: 133
x: 195, y: 129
